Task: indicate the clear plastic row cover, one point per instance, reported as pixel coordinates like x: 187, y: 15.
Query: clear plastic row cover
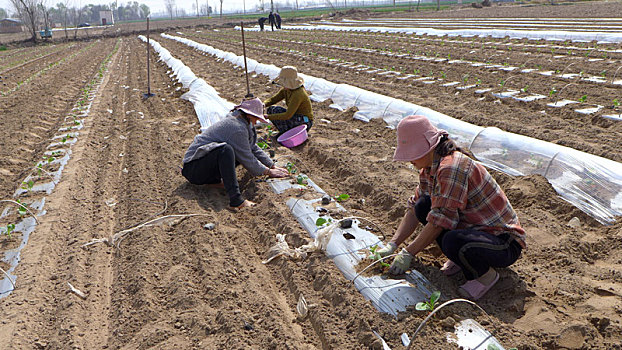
x: 208, y: 105
x: 553, y: 35
x: 507, y: 152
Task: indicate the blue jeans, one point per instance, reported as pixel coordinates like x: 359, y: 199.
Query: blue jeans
x: 474, y: 251
x: 217, y: 165
x: 294, y: 121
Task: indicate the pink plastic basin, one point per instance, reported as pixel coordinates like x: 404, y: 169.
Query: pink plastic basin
x: 293, y: 137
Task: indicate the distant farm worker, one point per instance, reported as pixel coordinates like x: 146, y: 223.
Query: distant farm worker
x: 277, y: 18
x: 298, y: 109
x: 212, y: 157
x: 272, y: 20
x: 461, y: 207
x: 261, y: 21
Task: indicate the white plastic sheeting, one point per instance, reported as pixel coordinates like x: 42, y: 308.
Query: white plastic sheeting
x: 208, y: 105
x: 511, y: 153
x: 553, y: 35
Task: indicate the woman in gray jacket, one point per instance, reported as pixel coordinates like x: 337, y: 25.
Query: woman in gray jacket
x: 213, y: 155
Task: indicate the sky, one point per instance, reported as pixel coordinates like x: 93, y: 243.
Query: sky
x: 158, y: 5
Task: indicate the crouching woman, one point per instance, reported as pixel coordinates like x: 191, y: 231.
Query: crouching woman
x: 461, y: 207
x: 213, y: 155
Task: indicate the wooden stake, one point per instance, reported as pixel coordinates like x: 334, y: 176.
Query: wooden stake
x: 248, y: 88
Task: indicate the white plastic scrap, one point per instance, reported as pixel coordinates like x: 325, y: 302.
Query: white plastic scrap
x: 302, y: 307
x: 76, y: 291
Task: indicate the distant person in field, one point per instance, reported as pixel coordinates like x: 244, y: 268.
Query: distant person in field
x: 298, y: 109
x: 272, y: 20
x: 277, y: 17
x: 459, y: 204
x: 213, y: 155
x: 261, y: 21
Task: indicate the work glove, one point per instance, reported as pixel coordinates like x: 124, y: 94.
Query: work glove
x: 387, y: 250
x: 401, y: 263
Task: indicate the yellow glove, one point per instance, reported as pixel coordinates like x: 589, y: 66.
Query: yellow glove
x: 401, y: 263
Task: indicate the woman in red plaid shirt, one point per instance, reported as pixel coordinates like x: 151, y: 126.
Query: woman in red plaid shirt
x: 461, y: 207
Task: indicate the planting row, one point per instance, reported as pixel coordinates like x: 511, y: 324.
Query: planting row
x: 612, y: 111
x: 26, y: 73
x: 440, y: 68
x: 474, y: 107
x: 17, y: 220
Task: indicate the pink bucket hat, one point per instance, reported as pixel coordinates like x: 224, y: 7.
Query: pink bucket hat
x: 253, y: 107
x: 416, y: 136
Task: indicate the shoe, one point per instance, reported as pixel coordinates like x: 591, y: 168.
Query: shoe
x: 475, y: 289
x: 450, y: 268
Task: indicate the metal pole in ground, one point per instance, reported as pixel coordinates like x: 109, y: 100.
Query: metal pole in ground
x: 148, y: 94
x: 248, y: 88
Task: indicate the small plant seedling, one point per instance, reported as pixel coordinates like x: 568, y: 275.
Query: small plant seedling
x: 28, y: 185
x: 291, y: 168
x: 9, y: 229
x: 21, y: 210
x: 616, y: 104
x: 376, y: 256
x: 552, y: 92
x: 525, y: 88
x: 262, y: 145
x: 301, y: 180
x: 322, y: 221
x: 342, y: 197
x: 429, y: 305
x: 583, y: 98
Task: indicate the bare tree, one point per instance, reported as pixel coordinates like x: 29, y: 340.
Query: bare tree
x: 29, y: 14
x: 220, y: 8
x: 170, y: 7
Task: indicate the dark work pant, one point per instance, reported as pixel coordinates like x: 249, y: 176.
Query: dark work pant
x: 474, y: 251
x: 294, y: 121
x: 217, y: 165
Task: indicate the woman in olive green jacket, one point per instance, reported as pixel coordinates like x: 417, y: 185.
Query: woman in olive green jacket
x: 298, y: 109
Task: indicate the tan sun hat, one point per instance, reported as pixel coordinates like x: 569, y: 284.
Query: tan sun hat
x: 288, y: 78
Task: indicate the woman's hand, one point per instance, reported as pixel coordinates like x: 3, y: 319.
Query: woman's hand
x: 277, y: 172
x: 279, y: 168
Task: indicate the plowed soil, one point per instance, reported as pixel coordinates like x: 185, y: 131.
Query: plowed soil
x: 178, y: 285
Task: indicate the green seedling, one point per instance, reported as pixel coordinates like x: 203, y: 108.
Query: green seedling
x: 28, y: 185
x: 429, y: 305
x: 9, y: 228
x: 291, y: 168
x: 552, y: 92
x: 301, y: 180
x: 616, y: 104
x: 21, y: 210
x: 376, y: 256
x: 583, y: 98
x: 321, y: 221
x: 525, y: 88
x: 262, y: 145
x: 443, y: 75
x: 342, y: 197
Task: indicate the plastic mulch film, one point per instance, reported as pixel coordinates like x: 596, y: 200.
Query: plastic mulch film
x: 386, y: 294
x: 553, y: 35
x: 507, y: 152
x: 208, y: 105
x: 592, y: 187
